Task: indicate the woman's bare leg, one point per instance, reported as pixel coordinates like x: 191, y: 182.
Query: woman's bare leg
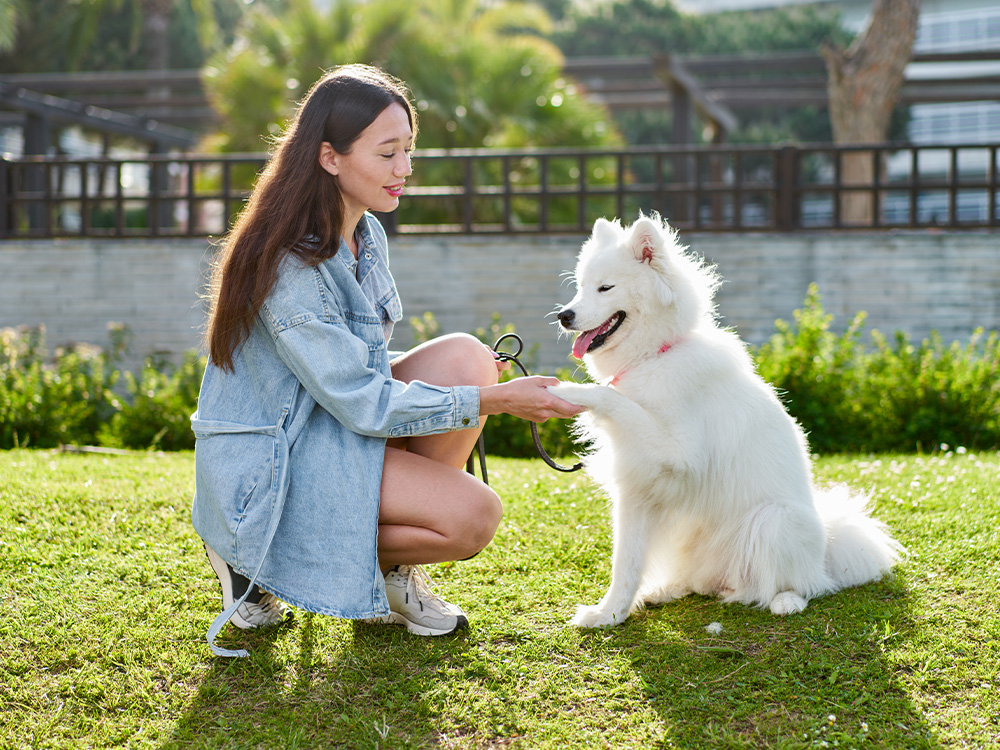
x: 431, y: 512
x: 457, y: 359
x: 431, y: 509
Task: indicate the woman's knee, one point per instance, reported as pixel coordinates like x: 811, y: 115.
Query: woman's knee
x: 466, y: 361
x: 454, y: 359
x: 481, y: 520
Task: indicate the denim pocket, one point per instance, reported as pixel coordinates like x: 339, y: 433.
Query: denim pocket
x: 232, y: 470
x: 391, y: 307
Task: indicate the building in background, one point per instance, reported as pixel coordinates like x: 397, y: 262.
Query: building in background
x: 945, y: 26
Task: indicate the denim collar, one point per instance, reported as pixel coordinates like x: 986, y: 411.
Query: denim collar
x: 366, y: 251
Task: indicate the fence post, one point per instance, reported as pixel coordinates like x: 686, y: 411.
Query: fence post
x: 991, y: 194
x: 470, y: 189
x: 4, y: 199
x: 784, y: 188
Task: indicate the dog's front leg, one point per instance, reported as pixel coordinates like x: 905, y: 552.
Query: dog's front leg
x: 631, y: 534
x: 622, y: 419
x: 608, y: 408
x: 590, y: 395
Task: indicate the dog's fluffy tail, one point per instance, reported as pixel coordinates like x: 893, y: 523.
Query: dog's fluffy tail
x: 859, y: 548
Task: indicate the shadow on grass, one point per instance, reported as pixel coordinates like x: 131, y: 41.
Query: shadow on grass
x: 318, y: 682
x: 822, y: 678
x: 829, y: 675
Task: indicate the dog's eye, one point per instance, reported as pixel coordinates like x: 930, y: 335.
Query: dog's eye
x: 605, y: 287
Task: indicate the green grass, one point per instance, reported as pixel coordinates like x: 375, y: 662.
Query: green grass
x: 106, y: 595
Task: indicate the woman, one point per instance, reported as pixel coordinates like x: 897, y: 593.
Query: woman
x: 326, y: 473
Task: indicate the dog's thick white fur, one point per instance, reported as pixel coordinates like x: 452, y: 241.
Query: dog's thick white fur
x: 709, y: 478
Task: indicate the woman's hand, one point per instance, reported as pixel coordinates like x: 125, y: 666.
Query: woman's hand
x: 527, y: 398
x: 502, y: 364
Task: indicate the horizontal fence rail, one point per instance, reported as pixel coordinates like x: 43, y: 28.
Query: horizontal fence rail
x: 478, y: 191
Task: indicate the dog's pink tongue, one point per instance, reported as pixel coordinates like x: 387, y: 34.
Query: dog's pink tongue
x: 582, y: 342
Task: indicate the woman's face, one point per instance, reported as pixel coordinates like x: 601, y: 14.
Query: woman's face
x: 372, y: 175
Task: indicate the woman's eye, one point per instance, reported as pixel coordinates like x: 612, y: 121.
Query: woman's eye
x: 605, y: 287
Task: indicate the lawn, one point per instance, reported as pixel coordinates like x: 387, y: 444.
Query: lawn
x: 107, y: 594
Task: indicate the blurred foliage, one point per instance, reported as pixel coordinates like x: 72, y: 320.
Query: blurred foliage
x: 655, y: 27
x: 44, y: 404
x: 483, y: 73
x: 78, y: 396
x: 84, y: 35
x: 495, y: 81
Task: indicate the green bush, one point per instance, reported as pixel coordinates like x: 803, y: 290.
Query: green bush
x: 817, y: 374
x: 925, y: 395
x: 890, y: 397
x: 848, y: 396
x: 46, y: 405
x: 78, y: 397
x: 157, y: 411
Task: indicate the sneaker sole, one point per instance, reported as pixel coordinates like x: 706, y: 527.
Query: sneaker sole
x: 222, y: 573
x: 394, y: 618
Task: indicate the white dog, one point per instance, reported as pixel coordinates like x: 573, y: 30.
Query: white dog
x: 709, y: 478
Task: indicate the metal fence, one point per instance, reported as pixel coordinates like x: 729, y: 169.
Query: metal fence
x: 710, y: 189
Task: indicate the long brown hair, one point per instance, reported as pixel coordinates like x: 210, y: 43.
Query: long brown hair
x: 294, y: 197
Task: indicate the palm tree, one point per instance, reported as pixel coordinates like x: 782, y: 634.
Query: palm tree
x: 152, y: 24
x: 8, y: 23
x: 480, y: 75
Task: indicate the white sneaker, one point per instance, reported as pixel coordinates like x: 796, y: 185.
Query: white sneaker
x: 414, y: 604
x: 258, y: 609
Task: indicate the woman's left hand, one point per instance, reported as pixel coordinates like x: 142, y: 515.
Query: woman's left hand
x: 502, y: 364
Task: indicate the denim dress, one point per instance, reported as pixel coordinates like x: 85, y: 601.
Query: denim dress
x: 290, y: 446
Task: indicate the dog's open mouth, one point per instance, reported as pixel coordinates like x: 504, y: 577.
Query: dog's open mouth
x: 588, y: 341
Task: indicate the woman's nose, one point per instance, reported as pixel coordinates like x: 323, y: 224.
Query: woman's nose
x: 403, y: 166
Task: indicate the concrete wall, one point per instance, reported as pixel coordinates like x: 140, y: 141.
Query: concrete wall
x: 76, y: 288
x: 909, y: 281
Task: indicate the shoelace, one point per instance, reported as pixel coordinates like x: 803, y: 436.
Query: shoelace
x: 266, y: 603
x: 419, y: 584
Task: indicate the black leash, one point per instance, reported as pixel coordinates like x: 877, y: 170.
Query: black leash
x: 481, y: 446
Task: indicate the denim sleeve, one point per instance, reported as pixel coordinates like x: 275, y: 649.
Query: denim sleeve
x: 332, y: 364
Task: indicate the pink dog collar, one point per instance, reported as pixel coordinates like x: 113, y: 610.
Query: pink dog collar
x: 619, y: 376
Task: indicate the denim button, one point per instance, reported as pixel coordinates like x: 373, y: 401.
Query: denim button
x: 465, y: 421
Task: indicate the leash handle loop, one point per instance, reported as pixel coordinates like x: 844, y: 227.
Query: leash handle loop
x: 513, y: 357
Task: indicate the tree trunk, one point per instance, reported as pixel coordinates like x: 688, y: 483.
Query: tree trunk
x: 863, y: 84
x: 155, y: 32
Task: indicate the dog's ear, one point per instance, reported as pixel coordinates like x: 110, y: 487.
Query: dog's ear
x: 645, y: 239
x: 606, y: 232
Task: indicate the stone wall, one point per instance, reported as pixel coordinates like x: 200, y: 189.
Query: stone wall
x: 76, y: 288
x: 909, y: 281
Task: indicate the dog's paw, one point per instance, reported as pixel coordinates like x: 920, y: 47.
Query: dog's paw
x: 581, y: 394
x: 787, y: 603
x: 596, y: 617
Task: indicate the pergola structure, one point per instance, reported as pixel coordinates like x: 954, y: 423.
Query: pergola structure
x: 170, y: 109
x: 39, y: 109
x: 728, y: 83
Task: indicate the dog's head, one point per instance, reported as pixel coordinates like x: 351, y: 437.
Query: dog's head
x: 637, y: 289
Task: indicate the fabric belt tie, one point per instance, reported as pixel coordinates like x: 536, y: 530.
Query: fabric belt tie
x: 279, y: 487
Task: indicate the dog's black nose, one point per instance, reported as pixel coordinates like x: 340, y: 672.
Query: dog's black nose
x: 566, y: 318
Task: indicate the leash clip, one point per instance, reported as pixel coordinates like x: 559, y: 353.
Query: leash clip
x: 513, y: 357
